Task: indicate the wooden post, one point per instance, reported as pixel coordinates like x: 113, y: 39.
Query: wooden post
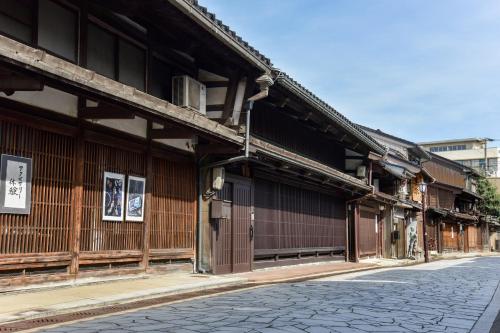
x: 347, y: 242
x: 77, y: 201
x: 356, y: 232
x: 147, y: 200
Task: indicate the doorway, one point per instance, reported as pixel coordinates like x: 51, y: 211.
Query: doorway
x: 233, y: 238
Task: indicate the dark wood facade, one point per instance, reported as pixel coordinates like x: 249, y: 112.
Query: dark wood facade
x: 294, y: 221
x: 65, y: 232
x: 452, y: 214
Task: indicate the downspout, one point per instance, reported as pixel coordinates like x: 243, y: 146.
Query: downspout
x: 264, y: 81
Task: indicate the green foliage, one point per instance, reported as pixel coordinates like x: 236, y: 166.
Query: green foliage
x: 490, y: 205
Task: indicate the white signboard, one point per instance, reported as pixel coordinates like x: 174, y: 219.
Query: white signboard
x: 15, y: 186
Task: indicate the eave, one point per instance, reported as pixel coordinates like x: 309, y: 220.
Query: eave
x: 317, y: 104
x: 40, y: 62
x: 340, y: 179
x: 222, y: 32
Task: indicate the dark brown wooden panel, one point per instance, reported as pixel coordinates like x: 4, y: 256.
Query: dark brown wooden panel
x: 445, y: 173
x: 450, y: 237
x: 242, y: 207
x: 288, y: 217
x: 285, y: 131
x: 222, y: 236
x: 48, y: 227
x: 96, y: 234
x: 173, y: 210
x: 367, y: 235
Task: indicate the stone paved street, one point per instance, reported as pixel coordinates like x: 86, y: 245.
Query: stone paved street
x: 444, y: 296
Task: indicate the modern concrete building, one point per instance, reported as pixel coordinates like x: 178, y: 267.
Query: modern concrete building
x: 471, y: 152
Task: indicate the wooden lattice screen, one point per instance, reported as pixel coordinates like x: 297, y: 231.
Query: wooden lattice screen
x: 96, y: 234
x: 173, y: 205
x: 47, y: 229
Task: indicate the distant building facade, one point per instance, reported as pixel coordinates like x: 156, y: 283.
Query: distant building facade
x: 472, y: 153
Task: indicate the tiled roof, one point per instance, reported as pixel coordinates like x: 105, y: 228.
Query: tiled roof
x: 353, y: 128
x: 211, y: 16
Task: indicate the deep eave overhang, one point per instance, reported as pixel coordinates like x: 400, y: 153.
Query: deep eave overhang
x: 319, y: 105
x: 459, y: 217
x: 40, y: 62
x: 267, y: 149
x: 222, y: 32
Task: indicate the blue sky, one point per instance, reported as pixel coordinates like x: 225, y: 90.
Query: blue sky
x: 419, y: 69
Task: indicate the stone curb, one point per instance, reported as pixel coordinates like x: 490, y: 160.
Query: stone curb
x: 485, y: 322
x: 244, y: 283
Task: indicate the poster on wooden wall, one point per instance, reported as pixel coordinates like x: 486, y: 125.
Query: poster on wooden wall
x: 15, y: 184
x: 113, y: 199
x: 135, y: 199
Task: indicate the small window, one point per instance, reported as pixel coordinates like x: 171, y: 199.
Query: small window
x: 16, y: 19
x: 160, y: 80
x: 132, y: 65
x: 101, y: 51
x: 61, y: 37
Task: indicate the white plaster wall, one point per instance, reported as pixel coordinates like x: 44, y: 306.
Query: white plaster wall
x: 50, y: 99
x: 136, y: 126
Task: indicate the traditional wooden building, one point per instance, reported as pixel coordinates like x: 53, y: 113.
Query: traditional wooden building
x: 284, y: 201
x: 104, y: 120
x: 453, y: 223
x: 397, y: 200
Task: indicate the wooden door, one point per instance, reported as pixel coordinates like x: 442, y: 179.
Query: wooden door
x: 367, y: 234
x: 233, y: 238
x: 242, y: 227
x: 401, y: 242
x: 222, y: 236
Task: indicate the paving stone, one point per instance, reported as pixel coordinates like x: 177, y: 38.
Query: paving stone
x: 445, y: 298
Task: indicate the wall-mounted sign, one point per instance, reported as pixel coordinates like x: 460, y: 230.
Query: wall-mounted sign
x: 135, y: 199
x: 113, y: 199
x: 15, y: 184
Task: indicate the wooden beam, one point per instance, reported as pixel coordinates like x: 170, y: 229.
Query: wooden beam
x: 105, y: 111
x: 11, y: 82
x: 215, y: 107
x: 213, y: 148
x: 77, y: 201
x: 216, y: 84
x: 230, y: 97
x: 171, y: 133
x: 147, y: 200
x: 307, y: 116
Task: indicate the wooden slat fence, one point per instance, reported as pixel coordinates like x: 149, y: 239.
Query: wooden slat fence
x: 48, y: 227
x: 44, y: 238
x: 290, y: 220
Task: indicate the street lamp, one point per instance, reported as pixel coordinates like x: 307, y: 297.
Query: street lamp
x: 423, y: 189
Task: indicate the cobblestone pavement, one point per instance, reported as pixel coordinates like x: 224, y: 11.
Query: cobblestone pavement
x: 444, y: 296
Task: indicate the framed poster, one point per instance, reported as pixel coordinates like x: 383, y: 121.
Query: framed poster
x: 113, y: 198
x: 135, y: 199
x: 15, y: 184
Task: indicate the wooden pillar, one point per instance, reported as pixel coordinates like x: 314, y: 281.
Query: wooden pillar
x: 356, y: 232
x: 77, y: 201
x: 147, y: 200
x: 347, y: 243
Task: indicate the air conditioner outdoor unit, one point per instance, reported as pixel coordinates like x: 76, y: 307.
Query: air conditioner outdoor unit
x: 361, y: 171
x: 189, y: 93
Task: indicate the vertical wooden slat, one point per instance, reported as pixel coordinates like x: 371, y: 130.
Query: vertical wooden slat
x: 147, y: 201
x: 78, y: 174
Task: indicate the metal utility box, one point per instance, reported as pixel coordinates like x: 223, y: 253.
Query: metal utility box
x: 220, y: 209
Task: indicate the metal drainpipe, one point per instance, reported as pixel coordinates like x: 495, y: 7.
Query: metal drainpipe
x: 247, y: 128
x: 265, y: 81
